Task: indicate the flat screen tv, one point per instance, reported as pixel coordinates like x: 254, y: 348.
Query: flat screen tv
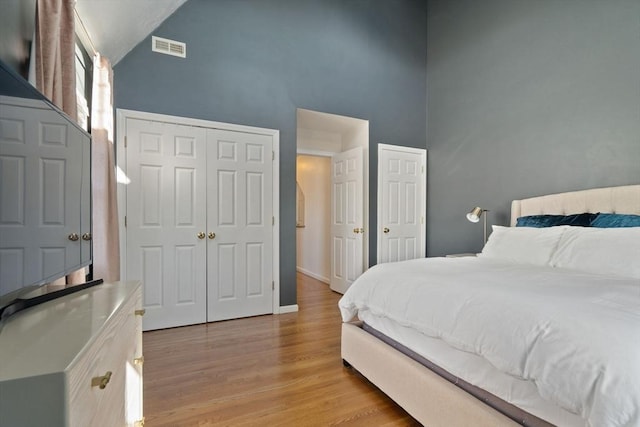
x: 45, y: 196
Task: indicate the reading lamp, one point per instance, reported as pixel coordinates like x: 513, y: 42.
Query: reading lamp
x: 474, y: 216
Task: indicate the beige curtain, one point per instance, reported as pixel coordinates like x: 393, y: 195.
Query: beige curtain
x: 106, y: 244
x: 55, y: 53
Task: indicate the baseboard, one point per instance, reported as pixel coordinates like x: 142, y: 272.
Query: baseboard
x: 288, y: 308
x: 314, y: 275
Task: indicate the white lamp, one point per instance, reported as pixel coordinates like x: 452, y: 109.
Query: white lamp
x: 474, y: 216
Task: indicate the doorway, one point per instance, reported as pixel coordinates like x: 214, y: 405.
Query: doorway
x: 331, y: 246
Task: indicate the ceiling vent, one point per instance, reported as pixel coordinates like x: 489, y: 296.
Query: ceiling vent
x: 168, y: 47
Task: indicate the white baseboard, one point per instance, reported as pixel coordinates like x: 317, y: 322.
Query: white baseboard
x: 314, y: 275
x: 288, y: 308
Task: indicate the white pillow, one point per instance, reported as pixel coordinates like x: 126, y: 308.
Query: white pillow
x: 525, y: 245
x: 613, y: 251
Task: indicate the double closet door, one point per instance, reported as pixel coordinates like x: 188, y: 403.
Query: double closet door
x: 199, y: 224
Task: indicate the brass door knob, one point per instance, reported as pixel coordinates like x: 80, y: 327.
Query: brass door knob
x: 361, y: 230
x: 212, y: 235
x: 356, y: 230
x: 201, y: 235
x: 73, y: 237
x: 86, y: 236
x: 385, y: 230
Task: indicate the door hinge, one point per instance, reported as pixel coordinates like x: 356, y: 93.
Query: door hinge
x: 421, y: 220
x: 422, y: 169
x: 125, y: 141
x: 125, y: 220
x: 273, y: 285
x: 273, y: 220
x: 273, y: 155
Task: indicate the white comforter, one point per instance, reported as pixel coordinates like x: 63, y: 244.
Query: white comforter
x: 575, y: 335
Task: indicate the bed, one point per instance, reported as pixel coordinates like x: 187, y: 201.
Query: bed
x: 509, y: 337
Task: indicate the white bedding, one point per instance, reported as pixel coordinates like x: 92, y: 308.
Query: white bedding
x: 576, y: 336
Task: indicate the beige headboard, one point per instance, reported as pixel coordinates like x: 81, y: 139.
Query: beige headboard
x: 624, y: 199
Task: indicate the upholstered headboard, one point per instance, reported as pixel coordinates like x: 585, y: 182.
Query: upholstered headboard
x: 624, y: 199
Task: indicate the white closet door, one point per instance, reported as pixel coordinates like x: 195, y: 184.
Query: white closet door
x: 166, y: 211
x: 401, y: 203
x: 240, y: 213
x: 347, y: 212
x: 40, y: 176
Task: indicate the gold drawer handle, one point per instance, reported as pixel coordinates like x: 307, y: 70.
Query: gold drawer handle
x: 140, y: 312
x: 139, y: 361
x: 102, y: 381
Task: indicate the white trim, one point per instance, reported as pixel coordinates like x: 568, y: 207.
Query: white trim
x: 423, y: 164
x: 122, y: 116
x: 313, y: 275
x: 288, y: 309
x: 319, y: 153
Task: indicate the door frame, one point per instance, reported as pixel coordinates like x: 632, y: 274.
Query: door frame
x: 121, y: 118
x: 423, y: 223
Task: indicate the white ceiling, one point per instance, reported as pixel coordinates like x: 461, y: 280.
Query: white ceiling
x: 117, y: 26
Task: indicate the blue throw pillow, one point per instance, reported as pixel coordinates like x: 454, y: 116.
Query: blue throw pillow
x: 540, y: 221
x: 607, y: 220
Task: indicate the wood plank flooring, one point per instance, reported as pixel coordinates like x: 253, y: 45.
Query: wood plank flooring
x: 282, y: 370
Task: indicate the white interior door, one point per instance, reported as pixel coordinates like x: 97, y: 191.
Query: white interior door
x: 401, y: 203
x: 166, y: 211
x: 240, y: 213
x: 347, y: 209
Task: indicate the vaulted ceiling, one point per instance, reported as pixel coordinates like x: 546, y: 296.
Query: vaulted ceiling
x: 117, y: 26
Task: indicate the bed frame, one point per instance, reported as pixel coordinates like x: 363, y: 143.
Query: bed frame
x: 429, y: 398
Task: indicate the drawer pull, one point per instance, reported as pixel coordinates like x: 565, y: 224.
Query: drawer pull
x: 139, y: 361
x: 140, y: 312
x: 102, y: 381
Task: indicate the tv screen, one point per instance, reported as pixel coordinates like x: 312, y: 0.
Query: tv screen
x: 45, y: 191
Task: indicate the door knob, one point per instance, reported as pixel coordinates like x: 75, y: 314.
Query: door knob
x: 361, y: 230
x: 385, y: 230
x: 73, y: 237
x: 86, y: 236
x: 212, y: 235
x: 201, y: 235
x: 356, y: 230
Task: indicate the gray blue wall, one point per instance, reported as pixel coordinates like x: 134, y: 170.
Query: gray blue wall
x: 254, y: 62
x: 526, y: 97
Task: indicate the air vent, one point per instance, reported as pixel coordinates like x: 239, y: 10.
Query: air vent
x: 168, y: 47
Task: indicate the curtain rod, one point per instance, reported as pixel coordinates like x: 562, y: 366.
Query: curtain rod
x: 87, y: 38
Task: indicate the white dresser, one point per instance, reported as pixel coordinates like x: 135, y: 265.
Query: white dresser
x: 74, y: 361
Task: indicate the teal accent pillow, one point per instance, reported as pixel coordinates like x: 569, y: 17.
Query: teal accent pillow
x: 540, y: 221
x: 609, y: 220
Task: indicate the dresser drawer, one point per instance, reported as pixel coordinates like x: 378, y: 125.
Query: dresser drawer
x: 106, y: 375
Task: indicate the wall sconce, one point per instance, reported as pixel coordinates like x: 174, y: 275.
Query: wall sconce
x: 474, y: 216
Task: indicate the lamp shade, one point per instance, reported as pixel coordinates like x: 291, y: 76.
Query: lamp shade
x: 475, y: 214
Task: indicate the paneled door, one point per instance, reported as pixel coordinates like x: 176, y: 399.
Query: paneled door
x: 240, y: 224
x: 166, y: 220
x: 401, y: 203
x: 200, y: 222
x: 347, y: 212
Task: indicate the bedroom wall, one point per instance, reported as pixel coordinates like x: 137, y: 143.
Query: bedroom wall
x: 312, y: 249
x: 17, y: 26
x: 526, y: 98
x: 254, y: 62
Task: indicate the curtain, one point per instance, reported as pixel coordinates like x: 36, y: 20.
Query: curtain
x: 106, y: 244
x: 55, y: 53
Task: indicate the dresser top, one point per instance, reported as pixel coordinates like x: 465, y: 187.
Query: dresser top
x: 47, y: 338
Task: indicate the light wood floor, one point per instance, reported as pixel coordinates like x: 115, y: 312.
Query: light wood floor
x: 282, y: 370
